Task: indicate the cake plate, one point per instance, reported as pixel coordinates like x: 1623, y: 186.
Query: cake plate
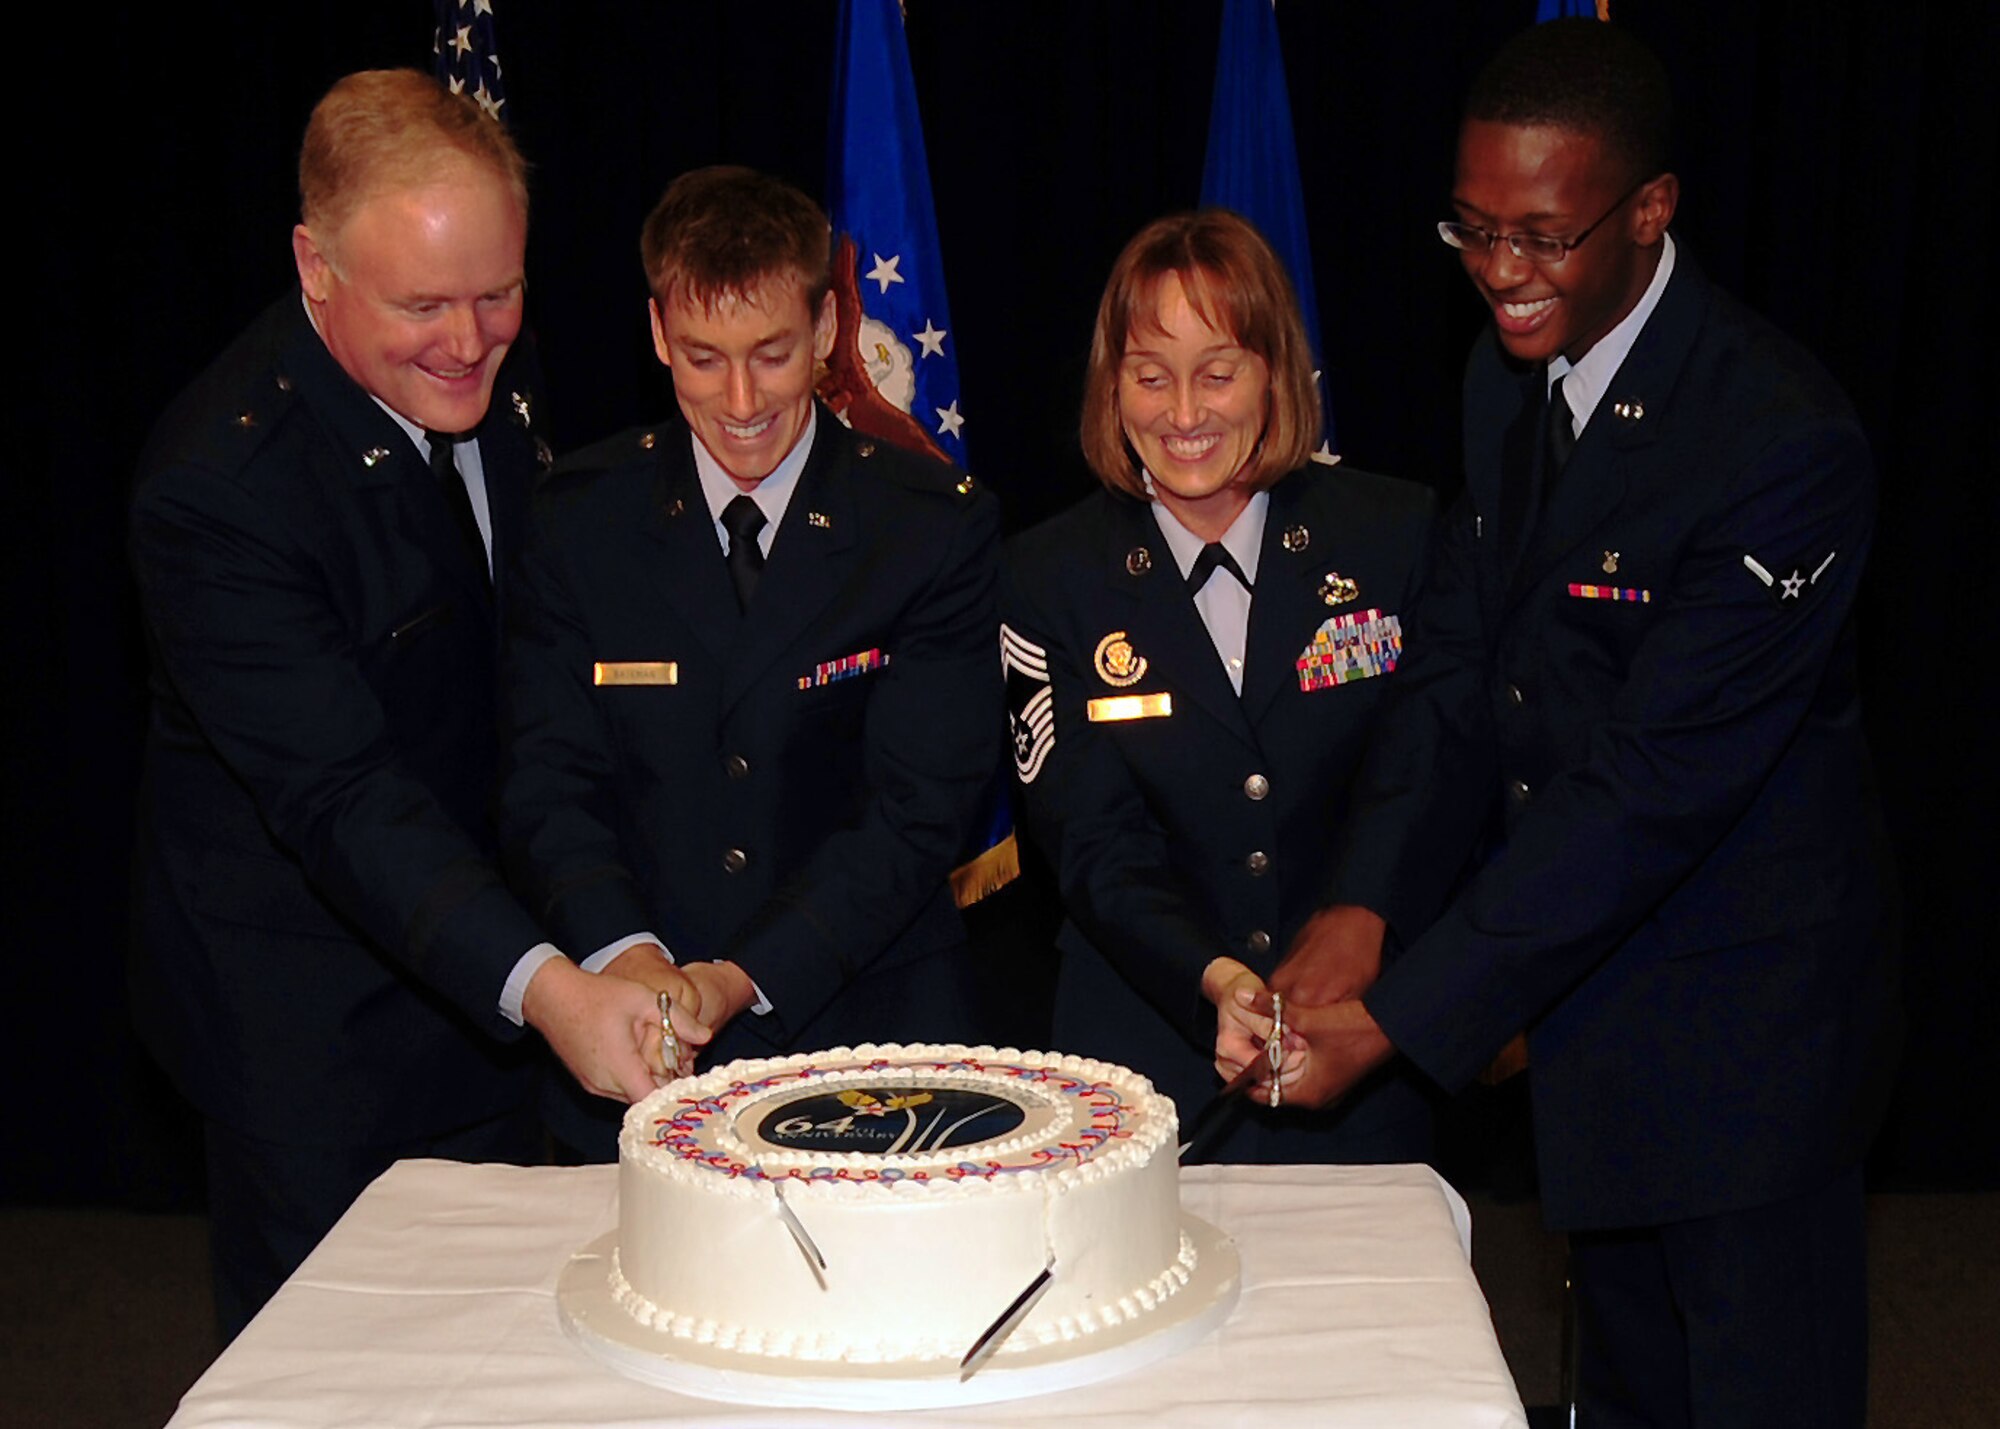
x: 594, y: 1320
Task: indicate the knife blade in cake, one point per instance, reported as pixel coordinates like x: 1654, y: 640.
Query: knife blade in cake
x: 983, y: 1347
x: 797, y: 1227
x: 1214, y: 1112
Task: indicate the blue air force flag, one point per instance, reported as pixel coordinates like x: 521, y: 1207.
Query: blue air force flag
x: 1253, y: 161
x: 1546, y: 10
x: 894, y: 369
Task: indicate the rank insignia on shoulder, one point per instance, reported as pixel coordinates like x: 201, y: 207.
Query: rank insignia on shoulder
x: 1792, y: 586
x: 1031, y: 701
x: 1346, y: 648
x: 1116, y: 661
x: 847, y: 667
x: 1580, y: 591
x: 635, y: 672
x: 1337, y: 589
x: 1115, y: 709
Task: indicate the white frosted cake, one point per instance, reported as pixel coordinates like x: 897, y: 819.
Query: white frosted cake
x: 937, y: 1181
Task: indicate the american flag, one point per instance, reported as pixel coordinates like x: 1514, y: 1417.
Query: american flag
x: 467, y: 56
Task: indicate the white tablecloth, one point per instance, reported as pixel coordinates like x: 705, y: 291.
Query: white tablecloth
x: 433, y: 1304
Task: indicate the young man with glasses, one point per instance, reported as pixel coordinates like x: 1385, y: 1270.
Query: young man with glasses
x: 1634, y: 675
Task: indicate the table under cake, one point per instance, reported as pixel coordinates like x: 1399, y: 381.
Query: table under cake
x: 433, y: 1303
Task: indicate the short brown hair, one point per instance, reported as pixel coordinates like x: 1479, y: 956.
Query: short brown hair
x: 388, y: 128
x: 1238, y: 285
x: 724, y: 231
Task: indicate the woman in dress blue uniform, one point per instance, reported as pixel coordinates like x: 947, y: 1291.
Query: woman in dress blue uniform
x: 1193, y: 656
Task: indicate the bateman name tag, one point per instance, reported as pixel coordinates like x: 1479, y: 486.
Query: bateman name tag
x: 1112, y: 708
x: 635, y: 672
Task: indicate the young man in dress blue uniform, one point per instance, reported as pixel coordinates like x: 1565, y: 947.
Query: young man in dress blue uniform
x: 1636, y: 657
x: 328, y: 964
x: 752, y: 696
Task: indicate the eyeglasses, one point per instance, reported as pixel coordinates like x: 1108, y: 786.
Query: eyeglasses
x: 1529, y: 247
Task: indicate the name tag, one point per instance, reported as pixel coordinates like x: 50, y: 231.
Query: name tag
x: 1113, y: 708
x: 635, y: 672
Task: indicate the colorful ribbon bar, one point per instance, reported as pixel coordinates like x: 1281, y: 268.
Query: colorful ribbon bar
x: 1357, y: 646
x: 845, y: 668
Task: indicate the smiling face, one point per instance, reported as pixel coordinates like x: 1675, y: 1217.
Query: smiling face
x: 418, y: 293
x: 1518, y: 178
x: 743, y: 368
x: 1193, y: 404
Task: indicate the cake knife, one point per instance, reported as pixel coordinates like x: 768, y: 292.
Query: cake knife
x: 1275, y: 1050
x: 798, y: 1229
x: 983, y: 1347
x: 1215, y: 1113
x: 670, y: 1044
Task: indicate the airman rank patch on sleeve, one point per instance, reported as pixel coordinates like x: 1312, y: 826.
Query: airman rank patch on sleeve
x: 1794, y: 585
x: 1031, y: 703
x: 1351, y: 647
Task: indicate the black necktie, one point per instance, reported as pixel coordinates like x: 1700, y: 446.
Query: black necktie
x: 743, y: 519
x: 1561, y: 436
x: 444, y: 467
x: 1517, y: 458
x: 1212, y: 555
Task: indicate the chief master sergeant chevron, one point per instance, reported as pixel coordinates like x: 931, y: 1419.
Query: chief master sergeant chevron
x: 327, y: 962
x: 751, y: 696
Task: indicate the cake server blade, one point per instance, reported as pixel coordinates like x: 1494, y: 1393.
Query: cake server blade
x: 797, y: 1227
x: 983, y: 1347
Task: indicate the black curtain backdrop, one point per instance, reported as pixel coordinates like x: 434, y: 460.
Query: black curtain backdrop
x: 1837, y: 165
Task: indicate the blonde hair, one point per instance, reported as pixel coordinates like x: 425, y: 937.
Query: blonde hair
x: 392, y: 128
x: 1237, y: 284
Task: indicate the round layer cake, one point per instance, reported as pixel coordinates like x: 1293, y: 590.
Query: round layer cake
x: 937, y: 1181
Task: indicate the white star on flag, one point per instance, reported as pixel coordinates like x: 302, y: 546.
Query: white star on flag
x: 463, y: 43
x: 948, y: 419
x: 932, y: 338
x: 457, y: 84
x: 884, y: 271
x: 482, y: 7
x: 487, y: 102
